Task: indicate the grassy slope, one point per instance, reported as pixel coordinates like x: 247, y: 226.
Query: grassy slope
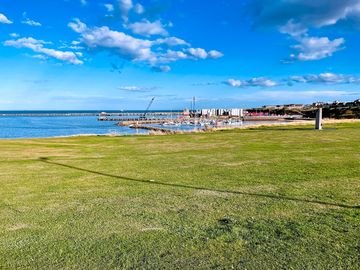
x: 159, y: 202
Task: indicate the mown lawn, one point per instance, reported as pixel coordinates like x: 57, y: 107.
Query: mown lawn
x: 271, y: 198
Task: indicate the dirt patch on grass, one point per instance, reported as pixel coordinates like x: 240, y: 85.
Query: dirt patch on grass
x: 18, y: 227
x: 212, y: 193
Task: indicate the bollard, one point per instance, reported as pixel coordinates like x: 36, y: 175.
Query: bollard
x: 318, y: 123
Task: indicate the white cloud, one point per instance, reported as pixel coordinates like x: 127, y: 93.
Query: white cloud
x: 136, y: 88
x: 38, y: 47
x: 198, y: 53
x: 326, y: 78
x: 171, y: 41
x: 293, y: 29
x: 147, y: 28
x: 281, y: 97
x: 109, y: 7
x: 102, y: 38
x: 125, y: 7
x: 215, y: 54
x: 254, y: 82
x: 139, y: 9
x: 78, y: 26
x: 172, y: 56
x: 14, y: 35
x: 234, y: 83
x: 137, y: 49
x: 4, y: 19
x: 191, y: 53
x: 31, y: 22
x: 297, y: 17
x: 315, y: 48
x: 306, y: 14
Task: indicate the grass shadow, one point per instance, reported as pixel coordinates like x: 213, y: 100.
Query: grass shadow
x: 153, y: 182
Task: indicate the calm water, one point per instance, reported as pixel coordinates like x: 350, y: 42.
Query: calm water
x: 43, y: 127
x: 57, y: 126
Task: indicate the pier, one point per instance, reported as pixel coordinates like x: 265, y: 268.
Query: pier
x: 46, y: 114
x: 102, y: 116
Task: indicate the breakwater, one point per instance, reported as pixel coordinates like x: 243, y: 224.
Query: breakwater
x: 102, y: 116
x: 156, y: 129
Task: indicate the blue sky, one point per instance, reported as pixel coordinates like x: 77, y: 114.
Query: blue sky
x: 117, y: 54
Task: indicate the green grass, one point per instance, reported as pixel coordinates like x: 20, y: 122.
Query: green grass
x: 268, y: 198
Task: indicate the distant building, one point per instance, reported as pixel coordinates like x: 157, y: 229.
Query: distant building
x: 236, y: 112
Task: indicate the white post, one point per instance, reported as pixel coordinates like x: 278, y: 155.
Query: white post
x: 318, y: 123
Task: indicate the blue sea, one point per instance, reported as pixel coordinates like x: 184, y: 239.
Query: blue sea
x: 56, y: 126
x: 36, y: 125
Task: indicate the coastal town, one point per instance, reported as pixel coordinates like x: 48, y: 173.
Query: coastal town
x: 180, y: 135
x: 218, y: 117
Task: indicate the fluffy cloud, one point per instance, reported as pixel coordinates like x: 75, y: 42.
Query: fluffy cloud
x: 297, y: 17
x: 150, y: 52
x: 38, y: 47
x: 109, y: 7
x: 125, y: 6
x: 172, y: 56
x: 315, y: 48
x: 199, y: 53
x: 171, y: 42
x: 78, y: 26
x: 147, y: 28
x: 306, y: 14
x: 102, y: 38
x: 326, y: 78
x: 4, y: 19
x: 322, y: 78
x: 233, y: 82
x: 31, y: 22
x: 139, y: 9
x: 215, y: 54
x: 254, y: 82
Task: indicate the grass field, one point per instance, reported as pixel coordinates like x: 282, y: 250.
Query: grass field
x: 269, y: 198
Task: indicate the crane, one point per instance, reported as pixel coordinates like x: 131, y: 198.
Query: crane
x: 147, y: 109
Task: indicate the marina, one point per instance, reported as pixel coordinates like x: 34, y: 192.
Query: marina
x: 52, y: 124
